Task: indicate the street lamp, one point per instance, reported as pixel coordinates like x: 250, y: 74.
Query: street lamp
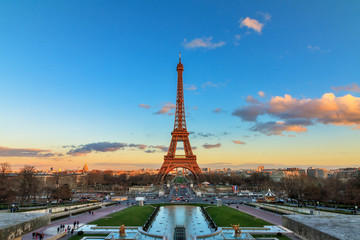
x: 318, y: 206
x: 356, y: 207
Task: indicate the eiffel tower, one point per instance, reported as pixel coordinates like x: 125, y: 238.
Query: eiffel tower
x: 180, y: 134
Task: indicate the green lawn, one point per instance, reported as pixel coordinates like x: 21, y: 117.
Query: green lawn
x: 180, y: 180
x: 225, y: 216
x: 132, y: 216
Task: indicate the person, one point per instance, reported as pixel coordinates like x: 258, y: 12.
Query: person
x: 74, y: 224
x: 72, y: 232
x: 33, y: 235
x: 58, y: 229
x: 77, y: 223
x: 68, y: 228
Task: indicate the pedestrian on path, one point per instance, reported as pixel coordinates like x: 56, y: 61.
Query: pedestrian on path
x: 58, y: 230
x: 74, y: 224
x: 77, y: 223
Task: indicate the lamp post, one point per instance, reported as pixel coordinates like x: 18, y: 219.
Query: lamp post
x: 318, y: 207
x: 356, y: 207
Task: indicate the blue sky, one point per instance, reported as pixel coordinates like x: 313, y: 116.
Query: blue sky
x: 74, y: 73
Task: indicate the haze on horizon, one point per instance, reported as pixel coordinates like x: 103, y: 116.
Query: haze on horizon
x: 266, y: 83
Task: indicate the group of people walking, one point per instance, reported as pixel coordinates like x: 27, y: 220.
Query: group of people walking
x: 37, y: 235
x: 68, y: 229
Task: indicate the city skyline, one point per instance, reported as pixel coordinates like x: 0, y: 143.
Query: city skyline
x: 95, y: 82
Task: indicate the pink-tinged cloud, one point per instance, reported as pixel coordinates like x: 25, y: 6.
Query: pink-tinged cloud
x: 238, y: 142
x: 167, y: 107
x: 203, y: 43
x: 210, y: 146
x: 250, y: 99
x: 250, y: 113
x: 26, y: 152
x: 329, y: 109
x: 218, y: 110
x: 157, y: 148
x: 297, y: 113
x: 348, y: 88
x: 252, y: 24
x: 138, y: 146
x: 144, y: 106
x: 277, y: 128
x: 261, y: 94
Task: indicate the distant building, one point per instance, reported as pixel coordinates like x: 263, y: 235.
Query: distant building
x: 85, y: 168
x: 205, y: 170
x: 317, y: 172
x: 347, y: 173
x: 277, y: 175
x: 260, y: 168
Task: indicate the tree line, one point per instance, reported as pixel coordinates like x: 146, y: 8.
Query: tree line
x: 28, y: 186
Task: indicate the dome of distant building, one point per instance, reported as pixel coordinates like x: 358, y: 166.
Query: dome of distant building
x: 85, y: 168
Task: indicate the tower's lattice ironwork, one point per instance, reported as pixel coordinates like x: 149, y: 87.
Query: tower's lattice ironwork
x: 179, y: 134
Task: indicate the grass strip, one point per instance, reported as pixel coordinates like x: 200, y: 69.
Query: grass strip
x: 225, y: 217
x: 132, y: 216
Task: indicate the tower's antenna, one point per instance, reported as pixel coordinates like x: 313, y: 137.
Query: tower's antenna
x: 179, y: 57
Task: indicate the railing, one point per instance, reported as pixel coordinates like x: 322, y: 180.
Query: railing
x: 150, y: 220
x: 209, y: 220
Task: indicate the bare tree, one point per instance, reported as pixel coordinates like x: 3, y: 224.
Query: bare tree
x: 28, y: 184
x: 7, y: 194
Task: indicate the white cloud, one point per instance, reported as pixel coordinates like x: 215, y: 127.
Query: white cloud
x: 266, y: 16
x: 315, y: 48
x: 191, y: 87
x: 203, y: 43
x: 252, y: 24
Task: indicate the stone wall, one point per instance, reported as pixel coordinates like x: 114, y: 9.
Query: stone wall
x: 15, y: 225
x: 323, y: 227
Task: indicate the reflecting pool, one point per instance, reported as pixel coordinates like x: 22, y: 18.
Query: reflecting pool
x: 190, y: 217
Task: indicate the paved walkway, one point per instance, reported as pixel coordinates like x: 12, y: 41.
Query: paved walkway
x: 270, y: 217
x: 51, y: 230
x: 259, y: 213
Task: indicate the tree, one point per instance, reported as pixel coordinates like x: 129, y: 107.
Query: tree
x: 7, y: 194
x: 63, y: 193
x: 28, y: 184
